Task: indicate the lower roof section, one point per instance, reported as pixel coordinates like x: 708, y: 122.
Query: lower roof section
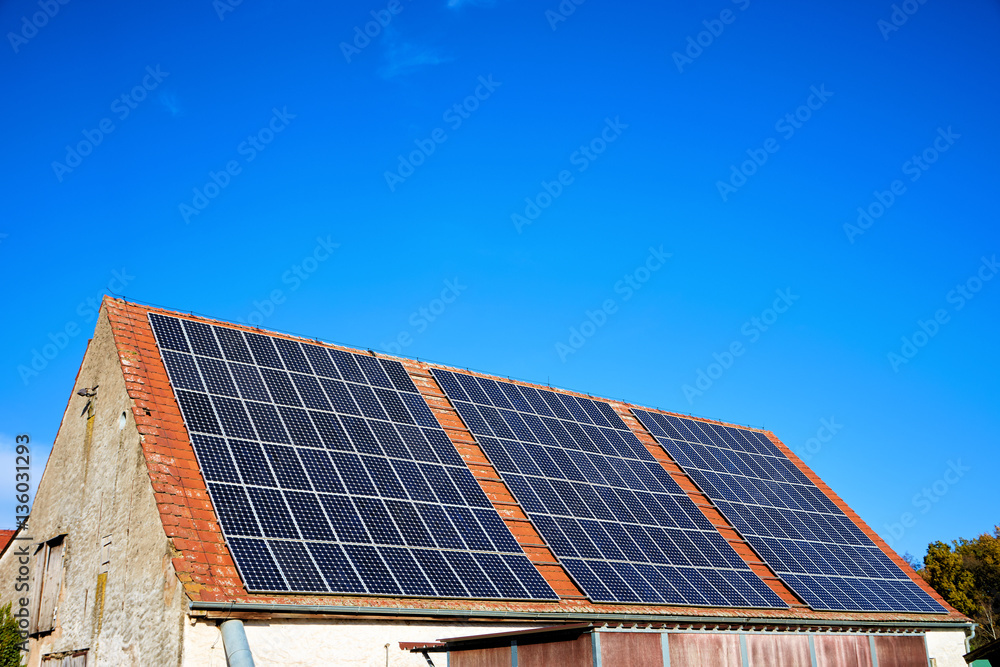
x: 720, y: 619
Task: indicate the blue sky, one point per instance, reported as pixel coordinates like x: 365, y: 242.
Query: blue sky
x: 529, y: 163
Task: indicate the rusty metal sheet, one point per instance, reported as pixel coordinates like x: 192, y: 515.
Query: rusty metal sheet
x: 900, y: 651
x: 638, y: 649
x: 697, y: 650
x: 843, y: 651
x: 481, y: 657
x: 572, y: 653
x: 778, y: 650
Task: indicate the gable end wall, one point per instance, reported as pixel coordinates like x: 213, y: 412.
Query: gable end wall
x: 96, y: 488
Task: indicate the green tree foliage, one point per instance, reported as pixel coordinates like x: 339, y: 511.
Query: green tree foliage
x: 10, y: 639
x: 967, y: 574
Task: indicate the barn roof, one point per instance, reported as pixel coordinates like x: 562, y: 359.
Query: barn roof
x: 205, y: 564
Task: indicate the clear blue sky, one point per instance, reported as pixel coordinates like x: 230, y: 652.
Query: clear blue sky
x: 641, y: 138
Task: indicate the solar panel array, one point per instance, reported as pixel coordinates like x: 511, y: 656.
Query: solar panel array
x: 330, y: 474
x: 798, y: 531
x: 617, y: 521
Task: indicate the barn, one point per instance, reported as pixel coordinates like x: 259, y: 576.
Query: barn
x: 220, y: 494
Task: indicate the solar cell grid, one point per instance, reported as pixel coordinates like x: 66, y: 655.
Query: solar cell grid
x: 606, y: 508
x: 330, y: 474
x: 799, y: 532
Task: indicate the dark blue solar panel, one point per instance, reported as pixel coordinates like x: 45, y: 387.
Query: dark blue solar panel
x: 263, y: 350
x: 417, y: 406
x: 197, y: 411
x: 292, y: 355
x: 216, y: 462
x: 440, y: 573
x: 233, y: 507
x: 265, y: 420
x: 597, y: 496
x: 408, y: 572
x: 185, y: 371
x: 250, y: 384
x: 373, y: 371
x: 234, y: 348
x: 202, y: 339
x: 348, y: 367
x: 320, y: 361
x: 298, y: 567
x: 232, y: 414
x: 169, y: 334
x: 336, y: 569
x: 797, y: 530
x: 312, y: 395
x: 373, y: 570
x: 330, y: 474
x: 216, y: 376
x: 260, y: 571
x: 280, y: 386
x: 398, y: 376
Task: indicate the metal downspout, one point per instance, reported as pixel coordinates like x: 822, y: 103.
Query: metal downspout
x: 234, y: 640
x: 969, y: 637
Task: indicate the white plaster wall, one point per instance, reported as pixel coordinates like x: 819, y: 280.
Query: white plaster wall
x: 947, y: 646
x: 298, y: 643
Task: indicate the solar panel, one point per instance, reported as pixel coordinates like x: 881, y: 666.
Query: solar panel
x: 330, y: 474
x: 615, y: 519
x: 796, y: 529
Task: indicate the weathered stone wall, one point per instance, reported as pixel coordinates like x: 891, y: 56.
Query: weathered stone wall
x: 96, y: 489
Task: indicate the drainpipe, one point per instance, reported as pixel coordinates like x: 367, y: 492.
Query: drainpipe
x: 234, y: 639
x: 969, y: 638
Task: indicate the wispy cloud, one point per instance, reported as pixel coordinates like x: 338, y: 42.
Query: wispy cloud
x: 169, y: 102
x: 403, y: 57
